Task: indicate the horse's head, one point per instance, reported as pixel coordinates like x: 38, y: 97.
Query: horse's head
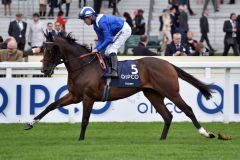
x: 51, y: 55
x: 62, y: 48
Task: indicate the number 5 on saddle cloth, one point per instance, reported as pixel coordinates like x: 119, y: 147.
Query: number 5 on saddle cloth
x: 128, y: 76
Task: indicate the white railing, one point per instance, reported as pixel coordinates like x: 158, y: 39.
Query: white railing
x: 225, y: 66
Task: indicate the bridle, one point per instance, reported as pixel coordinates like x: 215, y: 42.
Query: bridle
x: 64, y: 60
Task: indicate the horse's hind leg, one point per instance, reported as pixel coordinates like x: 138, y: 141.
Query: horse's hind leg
x: 158, y: 103
x: 181, y: 104
x: 65, y: 100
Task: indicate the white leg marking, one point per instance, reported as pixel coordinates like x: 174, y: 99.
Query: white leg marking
x: 203, y: 132
x: 34, y: 121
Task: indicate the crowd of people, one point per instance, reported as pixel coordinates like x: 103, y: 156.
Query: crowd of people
x: 12, y: 47
x: 176, y: 37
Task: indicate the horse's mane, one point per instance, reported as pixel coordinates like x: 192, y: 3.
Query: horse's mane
x: 70, y: 39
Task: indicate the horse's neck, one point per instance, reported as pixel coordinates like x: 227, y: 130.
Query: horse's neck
x: 79, y: 65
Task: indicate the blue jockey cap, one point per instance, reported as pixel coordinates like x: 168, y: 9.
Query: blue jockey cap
x: 86, y: 12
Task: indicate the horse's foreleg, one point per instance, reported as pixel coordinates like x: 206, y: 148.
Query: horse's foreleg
x: 65, y: 100
x: 87, y: 109
x: 158, y: 103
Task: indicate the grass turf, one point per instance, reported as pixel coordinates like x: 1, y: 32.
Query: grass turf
x: 117, y: 141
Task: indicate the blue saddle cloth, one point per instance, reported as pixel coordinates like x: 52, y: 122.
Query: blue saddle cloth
x: 128, y: 75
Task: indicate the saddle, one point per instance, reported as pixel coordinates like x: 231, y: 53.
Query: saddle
x: 127, y: 71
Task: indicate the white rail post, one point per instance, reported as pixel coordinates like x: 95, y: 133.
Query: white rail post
x: 208, y: 72
x: 71, y: 115
x: 8, y: 72
x: 226, y: 99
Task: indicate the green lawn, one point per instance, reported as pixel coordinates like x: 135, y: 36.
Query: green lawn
x: 117, y: 141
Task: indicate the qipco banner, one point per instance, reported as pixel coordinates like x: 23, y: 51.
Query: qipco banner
x: 22, y: 99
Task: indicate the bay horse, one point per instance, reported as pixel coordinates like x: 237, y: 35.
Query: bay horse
x: 158, y: 80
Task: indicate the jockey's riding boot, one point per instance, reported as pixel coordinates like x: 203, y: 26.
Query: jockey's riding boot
x: 114, y: 66
x: 114, y: 62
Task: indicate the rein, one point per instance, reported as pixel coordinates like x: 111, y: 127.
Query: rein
x: 101, y: 61
x: 82, y: 66
x: 65, y: 60
x: 98, y: 55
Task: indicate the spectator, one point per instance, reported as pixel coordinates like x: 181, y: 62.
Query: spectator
x: 17, y: 29
x: 84, y: 3
x: 174, y: 18
x: 166, y: 29
x: 191, y: 42
x: 115, y: 9
x: 183, y: 19
x: 204, y: 27
x: 183, y: 3
x: 201, y: 50
x: 58, y: 29
x: 11, y: 53
x: 42, y: 7
x: 199, y: 2
x: 128, y: 19
x: 141, y: 49
x: 50, y: 29
x: 218, y: 3
x: 68, y: 3
x: 173, y: 2
x: 238, y: 33
x: 35, y: 36
x: 52, y: 4
x: 110, y: 4
x: 183, y: 24
x: 189, y: 9
x: 11, y: 41
x: 214, y: 5
x: 161, y: 22
x: 176, y: 47
x: 60, y: 3
x: 231, y: 2
x: 4, y: 43
x: 161, y: 37
x: 97, y: 4
x: 139, y: 23
x: 135, y: 13
x: 1, y: 42
x: 61, y: 20
x: 7, y: 6
x: 230, y: 40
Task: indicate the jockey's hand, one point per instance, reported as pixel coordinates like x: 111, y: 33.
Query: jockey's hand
x: 94, y: 51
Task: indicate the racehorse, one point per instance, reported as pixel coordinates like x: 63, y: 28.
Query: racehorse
x: 158, y: 80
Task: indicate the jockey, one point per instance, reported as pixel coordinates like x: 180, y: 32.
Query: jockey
x: 112, y: 33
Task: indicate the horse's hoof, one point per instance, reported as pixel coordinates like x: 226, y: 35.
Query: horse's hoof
x: 81, y: 139
x: 211, y: 135
x: 163, y: 139
x: 28, y: 126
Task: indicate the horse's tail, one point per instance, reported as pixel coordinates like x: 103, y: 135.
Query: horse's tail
x: 204, y: 88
